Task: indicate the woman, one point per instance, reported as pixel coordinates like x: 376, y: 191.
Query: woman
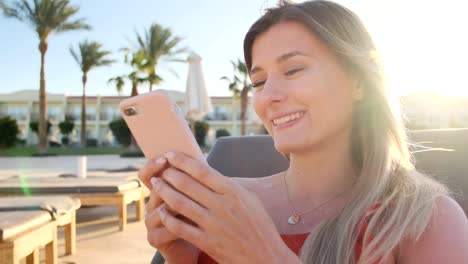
x: 350, y: 195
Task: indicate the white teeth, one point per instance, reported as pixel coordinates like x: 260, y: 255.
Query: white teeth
x: 288, y: 118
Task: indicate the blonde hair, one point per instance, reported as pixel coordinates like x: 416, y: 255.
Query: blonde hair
x: 386, y: 175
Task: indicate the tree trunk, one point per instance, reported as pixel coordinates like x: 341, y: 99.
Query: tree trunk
x: 244, y: 104
x: 42, y: 127
x: 151, y: 78
x: 134, y: 88
x: 83, y: 111
x: 133, y: 143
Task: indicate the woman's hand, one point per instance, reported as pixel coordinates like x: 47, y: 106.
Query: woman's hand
x: 171, y: 247
x: 231, y: 224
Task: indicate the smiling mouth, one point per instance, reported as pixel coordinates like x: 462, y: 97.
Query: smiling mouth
x: 287, y: 119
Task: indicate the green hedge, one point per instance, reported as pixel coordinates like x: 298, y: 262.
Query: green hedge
x: 8, y: 132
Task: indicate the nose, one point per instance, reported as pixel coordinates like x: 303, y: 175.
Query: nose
x: 273, y: 90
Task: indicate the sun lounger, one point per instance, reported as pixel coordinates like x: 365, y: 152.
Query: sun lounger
x: 92, y: 191
x: 27, y: 223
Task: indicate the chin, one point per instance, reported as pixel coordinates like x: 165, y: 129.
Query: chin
x: 287, y: 146
x: 295, y: 144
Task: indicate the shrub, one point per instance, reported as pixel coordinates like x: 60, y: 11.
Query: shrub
x: 91, y: 142
x: 121, y: 132
x: 66, y: 127
x: 65, y: 140
x: 222, y: 133
x: 54, y: 144
x: 201, y: 129
x: 34, y: 126
x: 8, y: 132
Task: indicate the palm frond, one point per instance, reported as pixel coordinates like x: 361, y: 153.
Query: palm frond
x: 154, y: 45
x: 105, y: 62
x: 45, y: 16
x: 171, y: 59
x: 240, y: 79
x: 174, y: 73
x: 15, y: 11
x: 75, y: 25
x: 75, y: 56
x: 119, y: 83
x: 91, y: 55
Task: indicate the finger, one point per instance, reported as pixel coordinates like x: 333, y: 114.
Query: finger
x: 199, y: 170
x: 159, y: 237
x: 151, y: 169
x: 154, y: 199
x: 180, y: 203
x: 182, y: 229
x: 152, y: 219
x: 190, y: 187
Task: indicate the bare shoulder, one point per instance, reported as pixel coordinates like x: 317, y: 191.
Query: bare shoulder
x: 445, y: 239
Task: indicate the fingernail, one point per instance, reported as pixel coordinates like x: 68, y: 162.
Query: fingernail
x: 169, y: 155
x: 155, y: 181
x: 161, y: 160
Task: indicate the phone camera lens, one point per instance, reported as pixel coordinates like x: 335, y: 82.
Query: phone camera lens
x: 131, y: 111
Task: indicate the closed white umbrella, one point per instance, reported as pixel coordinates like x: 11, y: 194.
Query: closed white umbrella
x: 197, y: 101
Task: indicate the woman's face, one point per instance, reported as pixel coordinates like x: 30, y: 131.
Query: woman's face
x: 301, y: 93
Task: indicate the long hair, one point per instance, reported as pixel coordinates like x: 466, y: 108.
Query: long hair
x: 386, y: 175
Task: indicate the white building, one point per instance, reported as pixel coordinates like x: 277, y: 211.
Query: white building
x: 101, y: 110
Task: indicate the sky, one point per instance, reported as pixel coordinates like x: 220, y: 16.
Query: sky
x: 423, y: 43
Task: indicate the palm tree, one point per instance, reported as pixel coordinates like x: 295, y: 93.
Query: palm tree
x: 239, y: 84
x: 45, y: 17
x: 158, y: 44
x: 135, y: 60
x: 91, y: 56
x: 119, y: 82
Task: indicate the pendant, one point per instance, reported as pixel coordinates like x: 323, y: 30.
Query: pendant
x: 294, y: 219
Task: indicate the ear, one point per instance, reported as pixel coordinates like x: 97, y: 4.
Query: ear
x: 358, y: 91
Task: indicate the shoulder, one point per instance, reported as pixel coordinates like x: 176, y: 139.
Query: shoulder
x: 445, y: 239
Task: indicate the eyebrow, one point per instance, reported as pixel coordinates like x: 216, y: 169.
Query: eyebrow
x: 281, y: 58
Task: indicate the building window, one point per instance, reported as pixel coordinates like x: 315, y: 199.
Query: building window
x: 54, y: 113
x: 90, y: 113
x: 219, y: 113
x: 17, y: 112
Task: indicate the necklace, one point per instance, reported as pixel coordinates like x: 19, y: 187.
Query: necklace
x: 296, y: 218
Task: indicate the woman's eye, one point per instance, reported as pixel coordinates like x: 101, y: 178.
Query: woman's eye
x: 258, y: 84
x: 293, y: 71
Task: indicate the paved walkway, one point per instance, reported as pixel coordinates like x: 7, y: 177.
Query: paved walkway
x: 100, y: 241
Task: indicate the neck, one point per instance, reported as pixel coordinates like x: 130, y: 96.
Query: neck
x: 321, y: 173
